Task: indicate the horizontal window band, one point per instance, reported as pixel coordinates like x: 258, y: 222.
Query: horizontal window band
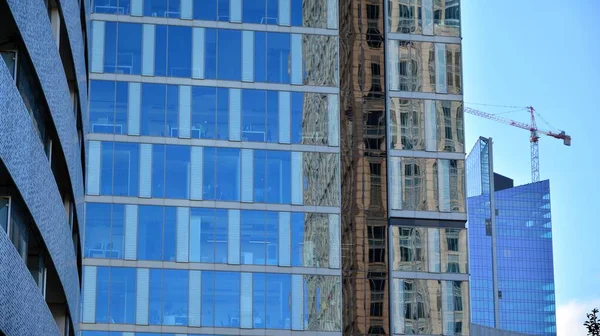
x: 430, y: 276
x: 211, y: 266
x: 214, y: 83
x: 424, y: 38
x: 213, y: 24
x: 426, y: 155
x: 212, y: 204
x: 201, y: 330
x: 212, y: 143
x: 425, y: 95
x: 432, y: 223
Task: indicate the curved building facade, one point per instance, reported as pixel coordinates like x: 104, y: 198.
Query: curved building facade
x: 43, y: 104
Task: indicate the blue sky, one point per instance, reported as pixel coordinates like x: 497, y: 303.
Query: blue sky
x: 544, y: 53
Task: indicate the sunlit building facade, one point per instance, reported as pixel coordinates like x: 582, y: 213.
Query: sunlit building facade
x: 510, y: 246
x: 238, y: 162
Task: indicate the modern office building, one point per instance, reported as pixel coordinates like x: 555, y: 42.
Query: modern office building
x: 510, y: 247
x: 43, y: 105
x: 238, y: 155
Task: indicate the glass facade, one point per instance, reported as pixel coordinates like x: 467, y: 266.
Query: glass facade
x: 213, y: 199
x: 518, y: 235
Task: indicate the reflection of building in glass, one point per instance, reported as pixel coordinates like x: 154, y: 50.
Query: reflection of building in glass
x: 510, y: 237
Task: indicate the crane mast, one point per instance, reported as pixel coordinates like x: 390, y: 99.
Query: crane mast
x: 534, y: 138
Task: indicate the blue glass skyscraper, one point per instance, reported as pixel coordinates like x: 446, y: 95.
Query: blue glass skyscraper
x: 510, y: 249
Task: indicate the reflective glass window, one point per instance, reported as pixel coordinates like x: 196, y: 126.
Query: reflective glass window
x: 169, y: 236
x: 4, y: 203
x: 102, y: 294
x: 407, y: 124
x: 309, y: 118
x: 121, y: 105
x: 155, y: 312
x: 110, y: 47
x: 208, y: 235
x: 97, y: 229
x: 278, y: 293
x: 253, y: 115
x: 126, y: 169
x: 205, y: 10
x: 297, y: 238
x: 446, y: 16
x: 228, y: 174
x: 229, y: 54
x: 259, y: 302
x: 222, y: 10
x: 321, y: 179
x: 111, y: 6
x: 204, y: 112
x: 260, y: 176
x: 122, y: 295
x: 175, y: 297
x: 254, y: 11
x: 160, y: 50
x: 310, y: 240
x: 323, y: 72
x: 209, y: 173
x: 253, y: 233
x: 405, y: 16
x: 227, y: 299
x: 305, y: 13
x: 322, y: 303
x: 150, y: 232
x: 177, y: 182
x: 106, y: 168
x: 208, y: 299
x: 102, y: 106
x: 117, y: 233
x: 156, y: 8
x: 260, y: 56
x: 278, y: 186
x: 129, y: 48
x: 278, y: 57
x: 153, y: 109
x: 210, y: 53
x: 222, y: 113
x: 172, y: 111
x: 179, y: 56
x: 416, y: 66
x: 158, y: 171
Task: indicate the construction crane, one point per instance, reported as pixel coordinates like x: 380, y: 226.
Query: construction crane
x: 534, y: 138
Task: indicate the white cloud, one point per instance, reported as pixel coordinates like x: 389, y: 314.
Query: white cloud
x: 570, y: 317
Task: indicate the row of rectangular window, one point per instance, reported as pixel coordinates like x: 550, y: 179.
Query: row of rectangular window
x: 295, y: 13
x: 142, y: 296
x: 247, y: 237
x: 425, y: 67
x: 426, y: 17
x: 208, y: 53
x: 430, y: 125
x: 213, y: 173
x: 200, y: 112
x: 427, y: 184
x: 430, y: 307
x: 430, y: 250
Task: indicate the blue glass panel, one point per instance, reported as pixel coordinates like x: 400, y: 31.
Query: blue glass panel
x: 172, y: 111
x: 272, y: 12
x: 272, y: 238
x: 94, y: 333
x: 126, y: 171
x: 204, y: 112
x: 174, y: 10
x: 111, y: 6
x: 253, y: 115
x: 175, y: 297
x: 155, y: 296
x: 97, y: 229
x: 180, y: 51
x: 260, y: 56
x: 158, y: 171
x: 222, y: 113
x: 208, y: 299
x: 223, y: 10
x: 278, y: 177
x: 106, y: 168
x: 210, y: 53
x: 202, y: 235
x: 230, y: 54
x: 150, y: 232
x: 259, y: 286
x: 205, y: 10
x: 296, y: 11
x: 221, y: 224
x: 227, y: 299
x: 278, y: 58
x: 296, y: 117
x: 155, y: 8
x: 102, y: 292
x: 272, y: 116
x: 110, y: 47
x: 122, y: 97
x: 153, y: 109
x: 170, y: 234
x: 209, y: 174
x: 160, y: 50
x: 228, y: 174
x: 115, y: 250
x: 253, y: 243
x: 102, y: 106
x: 254, y: 11
x: 122, y: 295
x: 178, y: 172
x: 129, y: 55
x: 297, y: 236
x: 260, y: 176
x: 278, y: 296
